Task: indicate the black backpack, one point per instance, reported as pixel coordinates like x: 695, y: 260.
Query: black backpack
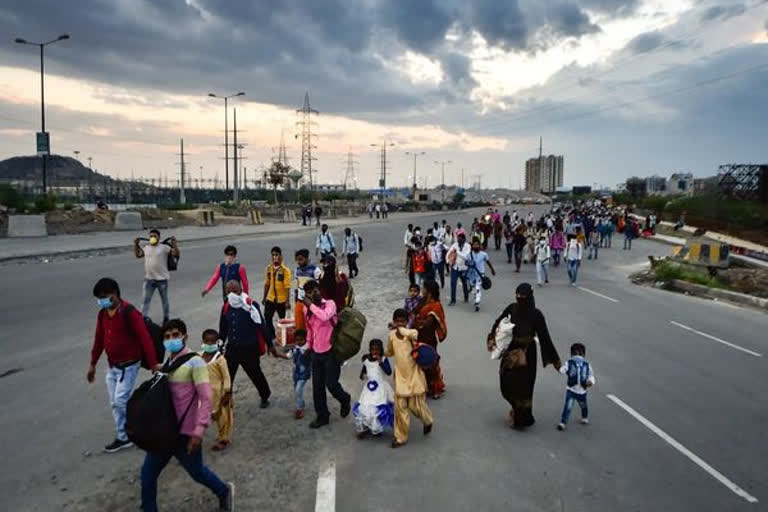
x: 151, y: 422
x: 173, y: 261
x: 155, y: 332
x: 359, y: 243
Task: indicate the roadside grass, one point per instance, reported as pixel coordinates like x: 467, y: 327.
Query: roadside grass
x: 667, y: 271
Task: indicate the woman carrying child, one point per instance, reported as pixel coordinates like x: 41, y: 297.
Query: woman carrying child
x: 430, y: 322
x: 375, y: 410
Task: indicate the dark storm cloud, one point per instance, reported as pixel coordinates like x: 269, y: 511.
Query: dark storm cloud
x: 277, y: 50
x: 723, y: 12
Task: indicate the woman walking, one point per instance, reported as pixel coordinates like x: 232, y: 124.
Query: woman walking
x: 517, y: 371
x: 430, y: 322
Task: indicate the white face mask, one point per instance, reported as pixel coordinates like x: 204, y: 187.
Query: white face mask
x: 235, y: 300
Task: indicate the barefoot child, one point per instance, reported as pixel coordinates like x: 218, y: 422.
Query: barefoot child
x: 221, y: 388
x: 374, y: 411
x: 410, y: 383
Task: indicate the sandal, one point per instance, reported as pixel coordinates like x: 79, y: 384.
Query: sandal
x: 220, y: 446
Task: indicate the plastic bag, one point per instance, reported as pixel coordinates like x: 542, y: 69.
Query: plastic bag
x: 503, y: 337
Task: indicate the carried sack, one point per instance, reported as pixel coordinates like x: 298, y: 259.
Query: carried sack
x: 151, y: 422
x: 348, y: 334
x: 155, y: 332
x: 486, y: 282
x: 503, y: 337
x: 424, y: 355
x: 173, y: 261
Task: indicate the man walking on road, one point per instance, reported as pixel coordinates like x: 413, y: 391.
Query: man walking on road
x: 351, y: 250
x: 574, y: 252
x: 543, y: 254
x: 122, y: 334
x: 156, y: 272
x: 318, y: 212
x: 277, y: 290
x: 325, y: 368
x: 325, y: 244
x: 457, y: 258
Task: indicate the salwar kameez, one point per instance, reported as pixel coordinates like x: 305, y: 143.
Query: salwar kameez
x: 221, y: 384
x: 430, y: 323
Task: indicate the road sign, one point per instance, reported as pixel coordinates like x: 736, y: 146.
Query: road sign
x: 43, y: 143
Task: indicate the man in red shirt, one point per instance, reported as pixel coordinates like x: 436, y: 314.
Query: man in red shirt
x: 122, y: 334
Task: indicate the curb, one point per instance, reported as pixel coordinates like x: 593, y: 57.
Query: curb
x: 716, y: 293
x: 353, y: 221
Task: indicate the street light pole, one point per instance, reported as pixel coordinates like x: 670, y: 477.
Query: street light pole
x: 415, y: 154
x: 20, y: 40
x: 226, y: 134
x: 443, y: 164
x: 383, y: 179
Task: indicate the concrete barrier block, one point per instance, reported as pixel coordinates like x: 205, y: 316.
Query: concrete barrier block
x: 128, y: 221
x: 26, y: 226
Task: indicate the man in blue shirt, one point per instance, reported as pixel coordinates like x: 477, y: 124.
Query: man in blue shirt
x: 476, y: 263
x: 325, y: 244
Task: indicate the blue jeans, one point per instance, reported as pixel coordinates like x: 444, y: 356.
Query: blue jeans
x: 299, y: 389
x: 570, y: 397
x: 542, y: 271
x: 119, y: 388
x: 593, y: 250
x: 573, y: 270
x: 455, y: 276
x: 628, y: 243
x: 193, y: 464
x: 150, y: 285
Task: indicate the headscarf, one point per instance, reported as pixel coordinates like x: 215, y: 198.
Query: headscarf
x: 525, y: 301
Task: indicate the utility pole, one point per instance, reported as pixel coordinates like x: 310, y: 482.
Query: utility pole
x: 236, y: 183
x: 306, y: 140
x: 226, y: 134
x: 415, y: 154
x: 200, y: 183
x: 350, y: 175
x: 462, y: 178
x: 383, y: 178
x: 540, y: 173
x: 443, y: 164
x: 182, y: 197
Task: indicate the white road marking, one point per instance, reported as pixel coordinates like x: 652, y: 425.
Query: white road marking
x: 685, y: 451
x: 713, y: 338
x: 325, y: 499
x: 597, y: 294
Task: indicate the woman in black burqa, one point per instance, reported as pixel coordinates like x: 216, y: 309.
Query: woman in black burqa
x: 517, y: 371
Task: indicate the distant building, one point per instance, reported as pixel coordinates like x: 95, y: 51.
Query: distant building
x: 656, y: 185
x: 705, y: 186
x: 544, y: 174
x: 680, y: 183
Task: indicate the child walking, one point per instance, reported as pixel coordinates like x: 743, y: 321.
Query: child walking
x: 580, y: 377
x: 412, y: 303
x: 410, y: 383
x: 302, y: 370
x: 375, y: 410
x: 221, y: 389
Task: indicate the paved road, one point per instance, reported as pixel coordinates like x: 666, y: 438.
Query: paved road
x: 705, y: 395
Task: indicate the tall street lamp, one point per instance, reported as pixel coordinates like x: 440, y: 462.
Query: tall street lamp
x: 383, y: 179
x: 415, y: 154
x: 226, y: 135
x: 443, y: 164
x: 43, y: 141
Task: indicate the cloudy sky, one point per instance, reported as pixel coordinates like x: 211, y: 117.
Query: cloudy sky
x: 620, y: 87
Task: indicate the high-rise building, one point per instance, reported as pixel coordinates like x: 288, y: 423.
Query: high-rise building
x: 544, y: 174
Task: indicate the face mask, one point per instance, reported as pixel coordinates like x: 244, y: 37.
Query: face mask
x: 235, y: 300
x: 210, y: 349
x: 153, y: 240
x: 174, y: 345
x: 104, y: 303
x: 417, y: 233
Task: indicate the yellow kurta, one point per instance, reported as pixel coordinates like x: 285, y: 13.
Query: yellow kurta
x: 409, y: 378
x: 221, y: 384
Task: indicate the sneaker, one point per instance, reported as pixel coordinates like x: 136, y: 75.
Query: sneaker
x: 346, y: 407
x: 299, y: 414
x: 477, y: 308
x: 561, y: 426
x: 546, y: 281
x: 585, y: 421
x: 427, y: 429
x: 227, y: 502
x: 452, y: 303
x: 264, y: 403
x: 319, y: 422
x: 117, y: 445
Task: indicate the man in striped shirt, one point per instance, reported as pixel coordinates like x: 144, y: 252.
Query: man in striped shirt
x: 191, y: 394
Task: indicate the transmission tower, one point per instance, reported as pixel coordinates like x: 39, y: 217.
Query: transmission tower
x: 350, y: 176
x: 305, y: 124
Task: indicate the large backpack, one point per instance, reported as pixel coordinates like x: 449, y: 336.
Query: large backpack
x: 151, y: 422
x: 578, y: 373
x: 155, y: 332
x: 348, y: 334
x: 173, y: 261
